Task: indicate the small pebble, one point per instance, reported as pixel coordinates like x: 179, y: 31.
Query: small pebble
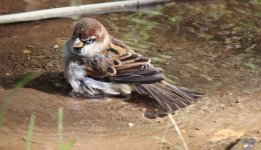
x: 239, y: 100
x: 56, y: 46
x: 130, y: 124
x: 197, y: 128
x: 49, y: 65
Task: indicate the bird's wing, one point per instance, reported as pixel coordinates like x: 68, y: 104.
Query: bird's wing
x: 121, y: 65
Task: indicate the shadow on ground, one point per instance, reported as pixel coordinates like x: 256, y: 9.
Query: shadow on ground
x: 55, y: 83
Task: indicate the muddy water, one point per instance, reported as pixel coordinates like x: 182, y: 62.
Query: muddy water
x: 212, y: 47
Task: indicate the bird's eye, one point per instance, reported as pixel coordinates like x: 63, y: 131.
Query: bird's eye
x: 89, y: 41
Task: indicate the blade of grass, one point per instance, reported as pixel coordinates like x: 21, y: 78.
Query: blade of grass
x: 26, y: 80
x: 68, y: 146
x: 60, y: 126
x: 18, y: 86
x: 164, y: 136
x: 174, y: 123
x: 30, y: 132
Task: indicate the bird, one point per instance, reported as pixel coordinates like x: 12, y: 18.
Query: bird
x: 98, y: 64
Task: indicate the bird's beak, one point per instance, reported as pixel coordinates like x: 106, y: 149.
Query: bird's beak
x: 78, y: 43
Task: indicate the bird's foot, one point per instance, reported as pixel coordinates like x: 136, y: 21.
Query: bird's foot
x: 74, y: 94
x: 93, y: 96
x: 86, y: 95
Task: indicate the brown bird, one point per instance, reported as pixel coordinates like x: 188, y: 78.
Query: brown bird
x: 96, y: 64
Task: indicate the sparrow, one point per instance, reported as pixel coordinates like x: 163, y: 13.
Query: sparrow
x: 96, y: 63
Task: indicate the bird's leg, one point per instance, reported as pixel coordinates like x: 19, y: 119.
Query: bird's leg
x: 74, y: 94
x: 93, y: 96
x: 86, y: 95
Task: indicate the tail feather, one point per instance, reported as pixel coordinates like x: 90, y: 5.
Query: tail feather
x: 161, y: 95
x: 177, y: 94
x: 140, y: 88
x: 168, y: 96
x: 194, y: 95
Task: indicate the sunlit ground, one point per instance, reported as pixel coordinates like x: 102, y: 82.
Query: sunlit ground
x: 211, y: 47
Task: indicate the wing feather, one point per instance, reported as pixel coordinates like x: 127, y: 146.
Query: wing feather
x: 121, y: 65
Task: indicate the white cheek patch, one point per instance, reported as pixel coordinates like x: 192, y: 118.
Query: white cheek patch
x: 91, y: 49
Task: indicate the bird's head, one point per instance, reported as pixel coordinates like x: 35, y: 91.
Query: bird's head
x: 89, y: 38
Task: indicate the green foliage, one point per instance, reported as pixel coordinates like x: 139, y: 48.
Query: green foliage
x: 62, y: 146
x: 229, y: 25
x: 208, y: 20
x: 68, y: 146
x: 60, y: 126
x: 30, y: 132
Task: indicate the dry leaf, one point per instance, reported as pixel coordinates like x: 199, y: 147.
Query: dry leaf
x: 26, y: 51
x: 227, y: 133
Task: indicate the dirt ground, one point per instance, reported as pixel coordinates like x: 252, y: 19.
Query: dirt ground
x: 230, y: 78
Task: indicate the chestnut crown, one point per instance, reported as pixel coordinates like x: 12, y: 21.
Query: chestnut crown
x: 89, y: 27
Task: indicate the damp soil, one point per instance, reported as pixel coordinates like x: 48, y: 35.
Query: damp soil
x: 211, y: 47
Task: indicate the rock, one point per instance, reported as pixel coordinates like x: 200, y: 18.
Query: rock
x: 247, y: 143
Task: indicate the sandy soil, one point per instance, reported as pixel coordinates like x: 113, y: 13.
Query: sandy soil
x: 230, y: 109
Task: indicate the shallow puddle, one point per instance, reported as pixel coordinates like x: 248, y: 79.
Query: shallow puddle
x: 211, y: 47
